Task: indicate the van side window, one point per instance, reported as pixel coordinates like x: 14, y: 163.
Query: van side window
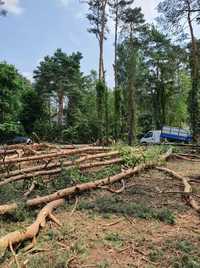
x: 148, y: 135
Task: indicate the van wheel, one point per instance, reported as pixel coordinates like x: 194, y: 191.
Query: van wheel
x: 144, y: 143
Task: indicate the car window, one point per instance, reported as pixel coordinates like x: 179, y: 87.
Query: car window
x: 148, y: 135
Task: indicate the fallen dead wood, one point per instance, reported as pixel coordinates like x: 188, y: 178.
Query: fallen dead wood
x: 187, y: 187
x: 59, y: 164
x: 31, y: 232
x: 119, y: 191
x: 185, y: 158
x: 95, y: 184
x: 8, y: 208
x: 54, y: 155
x: 30, y: 190
x: 58, y: 170
x: 182, y: 145
x: 191, y: 155
x: 57, y: 199
x: 7, y: 152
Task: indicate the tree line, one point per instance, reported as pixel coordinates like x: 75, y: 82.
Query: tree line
x: 156, y: 70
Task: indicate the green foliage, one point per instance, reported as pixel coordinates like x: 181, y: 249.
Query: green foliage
x: 119, y: 206
x: 103, y: 264
x: 186, y: 261
x: 9, y: 129
x: 133, y: 156
x: 184, y: 246
x: 31, y: 102
x: 156, y: 255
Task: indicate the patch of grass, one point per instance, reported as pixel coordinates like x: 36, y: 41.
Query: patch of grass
x: 156, y: 255
x: 186, y: 261
x: 60, y: 260
x: 115, y: 239
x: 106, y: 172
x: 185, y: 246
x: 118, y: 206
x: 78, y: 248
x: 103, y: 264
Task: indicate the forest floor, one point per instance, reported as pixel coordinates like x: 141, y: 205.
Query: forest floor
x: 140, y: 227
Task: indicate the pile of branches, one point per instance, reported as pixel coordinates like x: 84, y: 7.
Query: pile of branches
x: 21, y: 163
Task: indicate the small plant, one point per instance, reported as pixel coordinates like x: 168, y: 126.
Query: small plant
x: 185, y: 246
x: 156, y: 255
x: 115, y: 239
x: 103, y: 264
x: 187, y: 262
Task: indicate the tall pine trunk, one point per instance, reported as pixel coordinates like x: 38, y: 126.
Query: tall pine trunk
x: 194, y: 108
x: 60, y: 107
x: 131, y: 96
x: 116, y: 89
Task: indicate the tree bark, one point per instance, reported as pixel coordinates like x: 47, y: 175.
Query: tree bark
x: 54, y: 155
x: 58, y: 170
x: 31, y: 232
x: 187, y: 187
x: 194, y: 94
x: 55, y: 165
x: 60, y: 107
x: 94, y: 185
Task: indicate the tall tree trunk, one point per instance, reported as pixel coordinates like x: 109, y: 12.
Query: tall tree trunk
x: 116, y: 91
x: 194, y: 108
x: 60, y: 107
x: 131, y: 98
x: 101, y: 40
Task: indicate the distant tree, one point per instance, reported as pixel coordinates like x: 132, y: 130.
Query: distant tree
x: 58, y: 77
x: 117, y: 8
x: 133, y: 22
x: 12, y: 84
x: 32, y: 109
x: 164, y: 62
x: 97, y: 17
x: 177, y: 14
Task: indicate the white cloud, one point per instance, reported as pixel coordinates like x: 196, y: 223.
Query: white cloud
x: 65, y: 2
x: 149, y: 8
x: 29, y: 76
x: 13, y: 6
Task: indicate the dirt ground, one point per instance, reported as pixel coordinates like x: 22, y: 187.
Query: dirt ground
x: 94, y: 237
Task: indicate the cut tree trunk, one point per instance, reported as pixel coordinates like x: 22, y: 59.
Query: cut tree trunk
x: 54, y: 155
x: 79, y: 188
x: 55, y: 165
x: 31, y: 232
x: 58, y: 170
x: 187, y: 187
x: 94, y: 185
x: 56, y: 200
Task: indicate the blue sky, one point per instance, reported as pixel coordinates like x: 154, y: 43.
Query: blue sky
x: 36, y: 28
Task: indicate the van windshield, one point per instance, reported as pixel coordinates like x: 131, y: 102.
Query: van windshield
x: 148, y: 134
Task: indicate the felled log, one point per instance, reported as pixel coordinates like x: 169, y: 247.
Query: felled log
x: 58, y: 170
x: 187, y: 187
x: 191, y: 155
x: 95, y: 184
x: 31, y: 232
x: 54, y: 155
x: 91, y: 185
x: 58, y: 164
x: 7, y: 152
x: 185, y: 158
x: 8, y: 208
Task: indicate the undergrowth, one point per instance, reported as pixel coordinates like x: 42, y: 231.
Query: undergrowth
x: 118, y: 206
x: 133, y: 156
